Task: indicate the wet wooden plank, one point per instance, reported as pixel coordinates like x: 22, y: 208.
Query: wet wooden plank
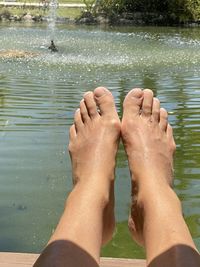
x: 27, y: 260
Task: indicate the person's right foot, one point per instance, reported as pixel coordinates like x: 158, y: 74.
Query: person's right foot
x: 149, y: 144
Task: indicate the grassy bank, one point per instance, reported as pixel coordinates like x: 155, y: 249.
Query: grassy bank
x: 111, y: 14
x: 60, y: 1
x: 71, y: 13
x: 65, y: 12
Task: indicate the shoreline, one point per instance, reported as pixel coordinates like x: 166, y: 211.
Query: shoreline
x: 27, y: 17
x: 86, y: 18
x: 38, y: 12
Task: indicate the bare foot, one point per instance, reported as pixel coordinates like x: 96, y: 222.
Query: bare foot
x: 149, y: 144
x: 93, y: 146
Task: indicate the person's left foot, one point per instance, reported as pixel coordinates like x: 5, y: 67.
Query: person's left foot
x: 93, y: 145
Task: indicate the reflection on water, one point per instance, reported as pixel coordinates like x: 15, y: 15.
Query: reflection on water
x: 38, y: 97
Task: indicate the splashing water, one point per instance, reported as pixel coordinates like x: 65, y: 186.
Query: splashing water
x: 52, y: 18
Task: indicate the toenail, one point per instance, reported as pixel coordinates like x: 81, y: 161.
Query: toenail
x: 136, y: 92
x: 100, y: 91
x: 148, y: 91
x: 87, y: 93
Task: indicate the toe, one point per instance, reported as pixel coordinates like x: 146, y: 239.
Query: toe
x: 156, y: 110
x: 132, y: 102
x: 171, y: 137
x: 147, y: 103
x: 105, y: 101
x: 84, y: 112
x: 163, y: 119
x: 90, y: 104
x: 169, y: 131
x: 78, y: 120
x: 72, y: 132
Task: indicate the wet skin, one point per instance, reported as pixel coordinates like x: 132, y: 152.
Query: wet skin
x: 96, y: 127
x: 156, y: 219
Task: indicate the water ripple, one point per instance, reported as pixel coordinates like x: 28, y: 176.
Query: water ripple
x: 38, y: 98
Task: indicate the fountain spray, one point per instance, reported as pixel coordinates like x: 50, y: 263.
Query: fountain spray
x: 52, y: 21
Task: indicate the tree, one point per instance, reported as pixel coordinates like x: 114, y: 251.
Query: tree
x: 176, y: 10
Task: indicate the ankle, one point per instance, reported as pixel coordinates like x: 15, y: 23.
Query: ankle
x: 90, y: 193
x: 159, y: 200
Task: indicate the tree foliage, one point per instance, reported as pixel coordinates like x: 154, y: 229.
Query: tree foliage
x: 193, y: 7
x: 179, y: 10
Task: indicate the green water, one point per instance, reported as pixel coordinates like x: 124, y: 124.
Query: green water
x: 38, y: 97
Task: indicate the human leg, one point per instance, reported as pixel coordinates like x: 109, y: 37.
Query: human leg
x: 88, y: 217
x: 156, y: 219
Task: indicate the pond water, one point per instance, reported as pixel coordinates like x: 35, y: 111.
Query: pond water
x: 38, y: 97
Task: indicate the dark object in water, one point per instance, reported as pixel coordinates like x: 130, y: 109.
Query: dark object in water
x: 52, y: 47
x: 21, y: 207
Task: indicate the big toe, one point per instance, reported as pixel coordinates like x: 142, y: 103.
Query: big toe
x: 132, y: 102
x: 105, y: 101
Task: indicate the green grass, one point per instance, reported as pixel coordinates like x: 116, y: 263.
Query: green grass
x: 71, y: 13
x: 60, y: 1
x: 21, y: 11
x: 61, y: 12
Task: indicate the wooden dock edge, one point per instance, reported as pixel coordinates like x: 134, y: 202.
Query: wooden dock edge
x: 8, y: 259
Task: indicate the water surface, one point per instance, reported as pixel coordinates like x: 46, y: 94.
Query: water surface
x: 38, y: 97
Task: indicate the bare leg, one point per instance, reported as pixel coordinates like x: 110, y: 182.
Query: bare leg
x: 156, y: 217
x: 88, y: 217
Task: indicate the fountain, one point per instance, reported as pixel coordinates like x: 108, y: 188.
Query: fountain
x: 15, y: 53
x: 52, y: 21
